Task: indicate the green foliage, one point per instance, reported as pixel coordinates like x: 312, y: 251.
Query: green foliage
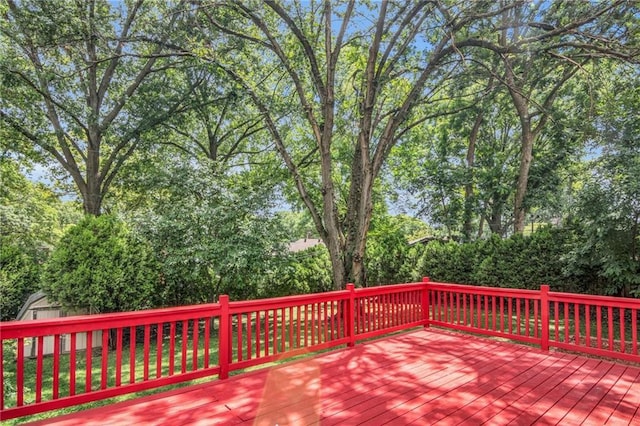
x: 19, y: 276
x: 303, y: 272
x: 517, y: 262
x: 33, y: 219
x: 387, y: 249
x: 212, y: 234
x: 101, y: 266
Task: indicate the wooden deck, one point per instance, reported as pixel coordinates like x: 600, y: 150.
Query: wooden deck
x: 423, y: 377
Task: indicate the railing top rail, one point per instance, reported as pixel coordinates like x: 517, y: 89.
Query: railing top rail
x: 589, y: 299
x: 81, y: 323
x: 390, y: 288
x: 286, y: 301
x: 489, y: 291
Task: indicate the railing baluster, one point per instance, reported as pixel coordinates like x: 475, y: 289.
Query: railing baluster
x: 622, y: 337
x: 556, y: 321
x: 146, y: 348
x: 172, y: 348
x: 2, y: 375
x: 258, y: 349
x: 196, y: 337
x: 207, y: 341
x: 159, y: 332
x: 88, y: 354
x: 610, y: 326
x: 118, y: 382
x: 634, y: 331
x: 132, y: 354
x: 39, y: 372
x: 20, y: 373
x: 72, y: 365
x: 239, y: 342
x: 576, y: 315
x: 56, y: 366
x: 291, y: 346
x: 526, y: 318
x: 249, y: 336
x: 599, y: 326
x: 587, y: 325
x: 104, y: 368
x: 298, y: 321
x: 567, y: 322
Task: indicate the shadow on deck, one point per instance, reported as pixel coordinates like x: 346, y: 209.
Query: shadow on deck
x: 422, y: 377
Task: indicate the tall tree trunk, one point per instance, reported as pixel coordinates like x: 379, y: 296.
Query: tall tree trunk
x: 468, y: 188
x: 526, y: 156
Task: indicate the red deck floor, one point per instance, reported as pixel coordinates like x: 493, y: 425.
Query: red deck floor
x: 423, y: 377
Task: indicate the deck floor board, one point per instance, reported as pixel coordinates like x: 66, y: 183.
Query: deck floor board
x: 421, y: 377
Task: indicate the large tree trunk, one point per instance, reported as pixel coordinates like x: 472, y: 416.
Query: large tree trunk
x: 526, y: 156
x: 468, y: 188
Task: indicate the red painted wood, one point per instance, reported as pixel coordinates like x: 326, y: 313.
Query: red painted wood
x: 258, y: 320
x: 72, y: 365
x: 634, y: 331
x: 587, y: 325
x: 118, y: 357
x: 105, y: 359
x: 183, y: 348
x: 89, y: 360
x: 544, y: 317
x: 39, y: 372
x: 159, y: 335
x: 132, y: 354
x: 194, y: 346
x: 447, y: 378
x: 239, y: 341
x: 599, y: 326
x: 291, y: 321
x: 172, y: 348
x: 2, y: 376
x: 249, y: 336
x: 607, y: 406
x: 622, y: 327
x: 56, y: 367
x: 146, y: 350
x: 378, y: 310
x: 224, y: 339
x: 610, y: 330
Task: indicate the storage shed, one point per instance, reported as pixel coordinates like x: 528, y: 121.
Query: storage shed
x: 38, y: 307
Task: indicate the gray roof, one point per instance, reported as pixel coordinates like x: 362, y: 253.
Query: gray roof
x: 30, y: 300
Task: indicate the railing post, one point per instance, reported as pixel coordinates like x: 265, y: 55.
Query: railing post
x: 425, y: 302
x: 544, y: 305
x: 224, y: 337
x: 351, y: 316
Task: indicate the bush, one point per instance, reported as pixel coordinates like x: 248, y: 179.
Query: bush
x: 19, y: 276
x: 101, y: 266
x: 523, y: 262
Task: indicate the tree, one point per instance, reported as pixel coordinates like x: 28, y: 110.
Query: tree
x: 352, y: 90
x: 542, y: 46
x: 101, y: 266
x: 83, y: 81
x: 607, y: 211
x: 212, y: 232
x: 33, y: 220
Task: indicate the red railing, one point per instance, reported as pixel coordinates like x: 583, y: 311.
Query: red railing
x: 80, y: 359
x: 598, y: 325
x: 85, y: 358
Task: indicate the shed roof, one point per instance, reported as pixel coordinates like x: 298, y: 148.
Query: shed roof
x: 38, y: 295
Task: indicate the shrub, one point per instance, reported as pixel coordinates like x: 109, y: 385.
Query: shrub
x: 101, y: 266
